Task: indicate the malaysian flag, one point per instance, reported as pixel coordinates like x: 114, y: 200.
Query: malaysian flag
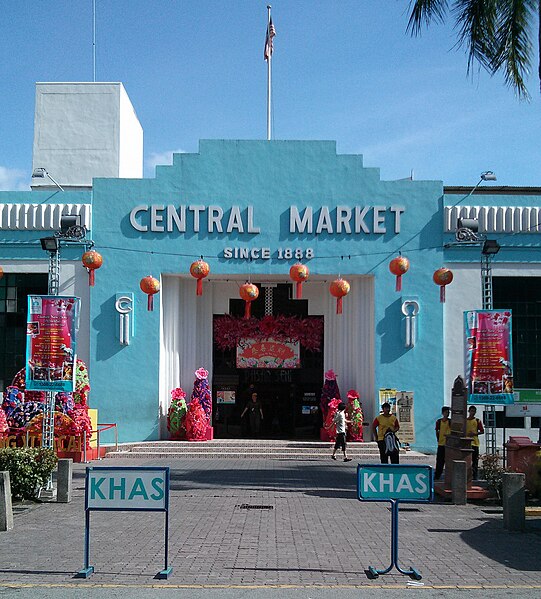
x: 271, y: 32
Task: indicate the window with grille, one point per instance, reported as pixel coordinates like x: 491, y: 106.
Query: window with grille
x: 523, y: 296
x: 14, y: 291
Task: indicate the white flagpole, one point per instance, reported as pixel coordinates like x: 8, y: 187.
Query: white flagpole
x: 94, y: 40
x: 269, y: 77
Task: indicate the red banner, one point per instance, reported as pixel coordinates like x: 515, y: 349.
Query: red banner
x: 268, y: 353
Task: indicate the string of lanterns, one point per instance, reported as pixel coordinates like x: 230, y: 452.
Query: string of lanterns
x: 298, y: 273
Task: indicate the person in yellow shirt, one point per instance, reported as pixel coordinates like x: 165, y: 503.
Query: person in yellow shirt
x: 383, y: 423
x: 474, y: 428
x: 443, y: 428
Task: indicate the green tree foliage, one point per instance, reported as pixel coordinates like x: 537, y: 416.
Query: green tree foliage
x: 497, y: 34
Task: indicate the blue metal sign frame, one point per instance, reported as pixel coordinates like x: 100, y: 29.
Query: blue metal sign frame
x: 88, y: 570
x: 424, y: 497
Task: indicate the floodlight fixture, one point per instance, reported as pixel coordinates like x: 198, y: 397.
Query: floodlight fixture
x: 50, y: 244
x: 488, y: 176
x: 490, y: 247
x: 41, y: 173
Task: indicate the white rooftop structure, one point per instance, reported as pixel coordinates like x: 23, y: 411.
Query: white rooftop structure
x: 82, y: 131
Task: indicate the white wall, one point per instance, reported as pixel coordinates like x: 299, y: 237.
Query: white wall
x: 85, y: 130
x: 130, y: 162
x: 465, y: 294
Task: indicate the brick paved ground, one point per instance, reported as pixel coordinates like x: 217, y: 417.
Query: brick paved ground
x: 316, y: 534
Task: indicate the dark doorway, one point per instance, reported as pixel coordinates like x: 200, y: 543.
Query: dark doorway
x: 14, y: 291
x: 289, y: 397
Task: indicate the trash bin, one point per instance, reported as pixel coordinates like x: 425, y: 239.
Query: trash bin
x: 522, y: 457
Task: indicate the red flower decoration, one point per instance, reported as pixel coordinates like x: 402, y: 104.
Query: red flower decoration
x: 229, y: 330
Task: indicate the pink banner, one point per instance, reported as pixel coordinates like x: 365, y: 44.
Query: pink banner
x: 489, y: 356
x: 51, y: 343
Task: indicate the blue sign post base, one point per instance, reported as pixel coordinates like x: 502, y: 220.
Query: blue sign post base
x: 164, y: 574
x: 394, y: 549
x: 85, y: 572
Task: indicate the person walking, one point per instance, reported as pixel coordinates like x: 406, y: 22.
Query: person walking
x: 340, y: 422
x: 255, y: 414
x: 443, y: 429
x: 474, y: 428
x: 382, y: 424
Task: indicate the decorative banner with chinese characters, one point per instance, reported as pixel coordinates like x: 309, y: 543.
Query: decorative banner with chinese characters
x: 268, y: 353
x: 489, y: 362
x: 51, y: 342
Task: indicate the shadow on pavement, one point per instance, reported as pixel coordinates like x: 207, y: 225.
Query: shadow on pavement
x: 520, y: 551
x: 297, y: 570
x: 50, y: 572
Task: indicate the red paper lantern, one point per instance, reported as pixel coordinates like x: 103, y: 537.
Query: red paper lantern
x: 248, y: 292
x: 199, y: 270
x: 399, y: 266
x: 299, y: 273
x: 339, y: 288
x: 92, y: 260
x: 1, y: 272
x: 442, y: 276
x: 150, y: 285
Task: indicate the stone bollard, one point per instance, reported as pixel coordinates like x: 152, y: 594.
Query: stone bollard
x: 459, y: 483
x: 6, y: 509
x: 514, y: 501
x: 63, y: 481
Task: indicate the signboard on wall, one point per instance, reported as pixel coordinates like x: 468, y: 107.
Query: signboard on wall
x: 388, y: 395
x: 527, y: 403
x: 404, y: 406
x: 225, y: 396
x: 51, y: 342
x: 489, y: 362
x: 268, y: 353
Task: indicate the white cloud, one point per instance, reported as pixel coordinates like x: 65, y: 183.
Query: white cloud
x: 161, y: 158
x: 13, y: 179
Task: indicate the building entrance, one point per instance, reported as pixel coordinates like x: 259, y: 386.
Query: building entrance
x: 290, y: 409
x: 288, y: 398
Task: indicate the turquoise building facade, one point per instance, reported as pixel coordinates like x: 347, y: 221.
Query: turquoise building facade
x: 270, y: 199
x: 252, y: 209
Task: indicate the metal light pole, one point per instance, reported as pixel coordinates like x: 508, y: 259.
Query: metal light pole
x: 71, y: 232
x: 51, y: 245
x: 467, y: 232
x: 490, y: 249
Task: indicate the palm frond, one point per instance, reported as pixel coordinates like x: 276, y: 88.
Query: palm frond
x: 476, y: 21
x: 423, y: 12
x: 513, y: 44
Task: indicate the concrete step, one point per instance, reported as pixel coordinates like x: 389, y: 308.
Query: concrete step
x: 255, y: 449
x: 409, y: 459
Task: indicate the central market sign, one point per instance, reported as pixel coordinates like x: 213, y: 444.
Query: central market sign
x: 196, y: 218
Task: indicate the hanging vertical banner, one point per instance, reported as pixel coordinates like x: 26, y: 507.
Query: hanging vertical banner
x: 489, y: 362
x: 51, y: 331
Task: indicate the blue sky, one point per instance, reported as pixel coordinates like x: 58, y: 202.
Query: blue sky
x: 342, y: 70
